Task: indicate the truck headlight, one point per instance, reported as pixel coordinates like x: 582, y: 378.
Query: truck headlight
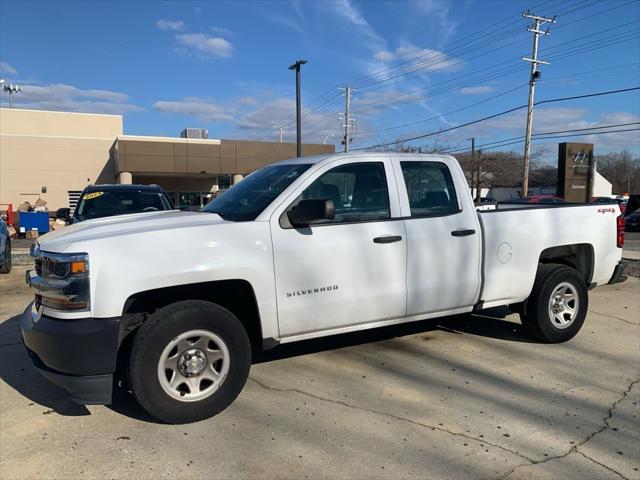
x: 61, y: 280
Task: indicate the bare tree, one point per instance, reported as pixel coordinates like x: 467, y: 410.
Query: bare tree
x: 621, y: 169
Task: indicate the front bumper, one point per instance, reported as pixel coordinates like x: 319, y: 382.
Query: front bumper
x: 78, y: 355
x: 618, y: 273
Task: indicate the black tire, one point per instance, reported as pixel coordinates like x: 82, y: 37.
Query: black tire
x: 158, y: 331
x: 537, y: 320
x: 6, y: 266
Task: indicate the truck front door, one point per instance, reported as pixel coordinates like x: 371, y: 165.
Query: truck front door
x: 349, y: 270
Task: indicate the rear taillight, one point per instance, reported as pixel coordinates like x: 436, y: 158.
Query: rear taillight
x: 620, y: 231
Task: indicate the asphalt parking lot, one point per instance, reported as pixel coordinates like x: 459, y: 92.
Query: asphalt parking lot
x: 462, y: 397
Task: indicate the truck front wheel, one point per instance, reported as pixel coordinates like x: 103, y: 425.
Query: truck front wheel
x: 189, y: 361
x: 557, y: 306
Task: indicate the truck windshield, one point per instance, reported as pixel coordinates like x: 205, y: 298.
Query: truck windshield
x: 118, y: 202
x: 246, y: 200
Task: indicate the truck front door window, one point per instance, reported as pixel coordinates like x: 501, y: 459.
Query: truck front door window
x: 358, y: 191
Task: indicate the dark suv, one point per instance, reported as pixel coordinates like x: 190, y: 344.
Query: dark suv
x: 98, y: 201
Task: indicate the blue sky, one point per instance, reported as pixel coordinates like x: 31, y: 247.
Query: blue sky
x: 223, y: 66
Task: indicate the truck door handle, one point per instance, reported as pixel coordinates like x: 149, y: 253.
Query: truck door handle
x: 463, y: 232
x: 387, y: 239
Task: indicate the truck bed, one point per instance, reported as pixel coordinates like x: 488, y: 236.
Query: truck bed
x: 516, y: 235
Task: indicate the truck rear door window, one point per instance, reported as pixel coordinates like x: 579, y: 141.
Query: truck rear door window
x: 429, y: 188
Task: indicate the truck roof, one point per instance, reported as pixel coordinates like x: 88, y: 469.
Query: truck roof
x: 313, y: 159
x: 117, y: 186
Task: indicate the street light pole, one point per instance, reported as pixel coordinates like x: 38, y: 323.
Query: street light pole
x: 296, y: 67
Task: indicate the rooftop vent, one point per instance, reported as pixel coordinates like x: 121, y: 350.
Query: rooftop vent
x: 194, y: 133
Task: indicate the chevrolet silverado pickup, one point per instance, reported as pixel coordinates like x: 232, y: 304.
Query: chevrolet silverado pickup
x: 178, y: 302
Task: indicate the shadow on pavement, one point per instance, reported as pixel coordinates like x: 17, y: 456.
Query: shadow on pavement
x: 18, y: 372
x: 488, y: 323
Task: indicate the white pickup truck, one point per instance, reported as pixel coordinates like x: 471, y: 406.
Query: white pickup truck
x: 300, y: 249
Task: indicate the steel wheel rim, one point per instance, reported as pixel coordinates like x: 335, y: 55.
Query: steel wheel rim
x: 193, y: 365
x: 563, y: 305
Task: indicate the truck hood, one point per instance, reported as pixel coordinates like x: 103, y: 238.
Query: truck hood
x: 57, y: 241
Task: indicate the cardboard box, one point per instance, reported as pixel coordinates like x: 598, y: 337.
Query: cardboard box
x: 24, y: 207
x: 32, y: 234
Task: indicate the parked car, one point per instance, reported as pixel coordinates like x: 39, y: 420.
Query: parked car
x: 5, y: 248
x: 632, y: 222
x: 98, y: 201
x: 300, y: 249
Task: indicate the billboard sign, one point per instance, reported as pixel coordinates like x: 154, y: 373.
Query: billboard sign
x: 576, y: 169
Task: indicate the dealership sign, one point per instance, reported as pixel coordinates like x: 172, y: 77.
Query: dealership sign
x: 576, y: 169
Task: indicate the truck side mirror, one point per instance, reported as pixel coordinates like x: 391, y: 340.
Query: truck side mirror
x: 64, y: 214
x: 310, y: 210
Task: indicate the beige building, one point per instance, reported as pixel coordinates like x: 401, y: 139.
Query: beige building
x: 54, y: 155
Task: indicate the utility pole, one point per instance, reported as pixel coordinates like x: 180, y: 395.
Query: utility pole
x: 296, y: 67
x: 479, y: 175
x: 281, y: 129
x: 346, y: 125
x: 535, y: 74
x: 473, y: 167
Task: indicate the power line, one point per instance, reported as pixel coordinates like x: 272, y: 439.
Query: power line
x: 322, y: 100
x: 329, y: 99
x: 521, y: 138
x: 546, y: 80
x: 540, y: 102
x: 563, y: 136
x: 588, y: 46
x: 447, y: 113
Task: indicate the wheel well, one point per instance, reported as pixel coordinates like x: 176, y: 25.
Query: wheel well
x: 237, y: 296
x: 578, y: 256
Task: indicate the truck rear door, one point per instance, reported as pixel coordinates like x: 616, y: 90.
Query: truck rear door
x: 443, y: 235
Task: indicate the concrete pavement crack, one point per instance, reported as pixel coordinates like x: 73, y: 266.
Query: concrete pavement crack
x: 391, y: 415
x: 602, y: 465
x: 575, y: 448
x: 615, y: 318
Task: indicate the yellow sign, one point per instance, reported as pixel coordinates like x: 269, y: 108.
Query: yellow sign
x: 91, y: 196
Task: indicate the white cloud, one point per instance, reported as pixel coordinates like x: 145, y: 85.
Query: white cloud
x: 476, y: 90
x: 200, y: 108
x: 384, y: 56
x: 372, y: 102
x: 170, y: 25
x: 206, y: 45
x: 316, y: 126
x: 423, y: 59
x: 349, y: 13
x: 283, y: 20
x: 6, y: 68
x: 73, y: 99
x: 221, y: 31
x: 438, y: 11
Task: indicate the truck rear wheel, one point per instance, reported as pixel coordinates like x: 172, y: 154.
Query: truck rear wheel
x: 189, y: 361
x: 557, y: 306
